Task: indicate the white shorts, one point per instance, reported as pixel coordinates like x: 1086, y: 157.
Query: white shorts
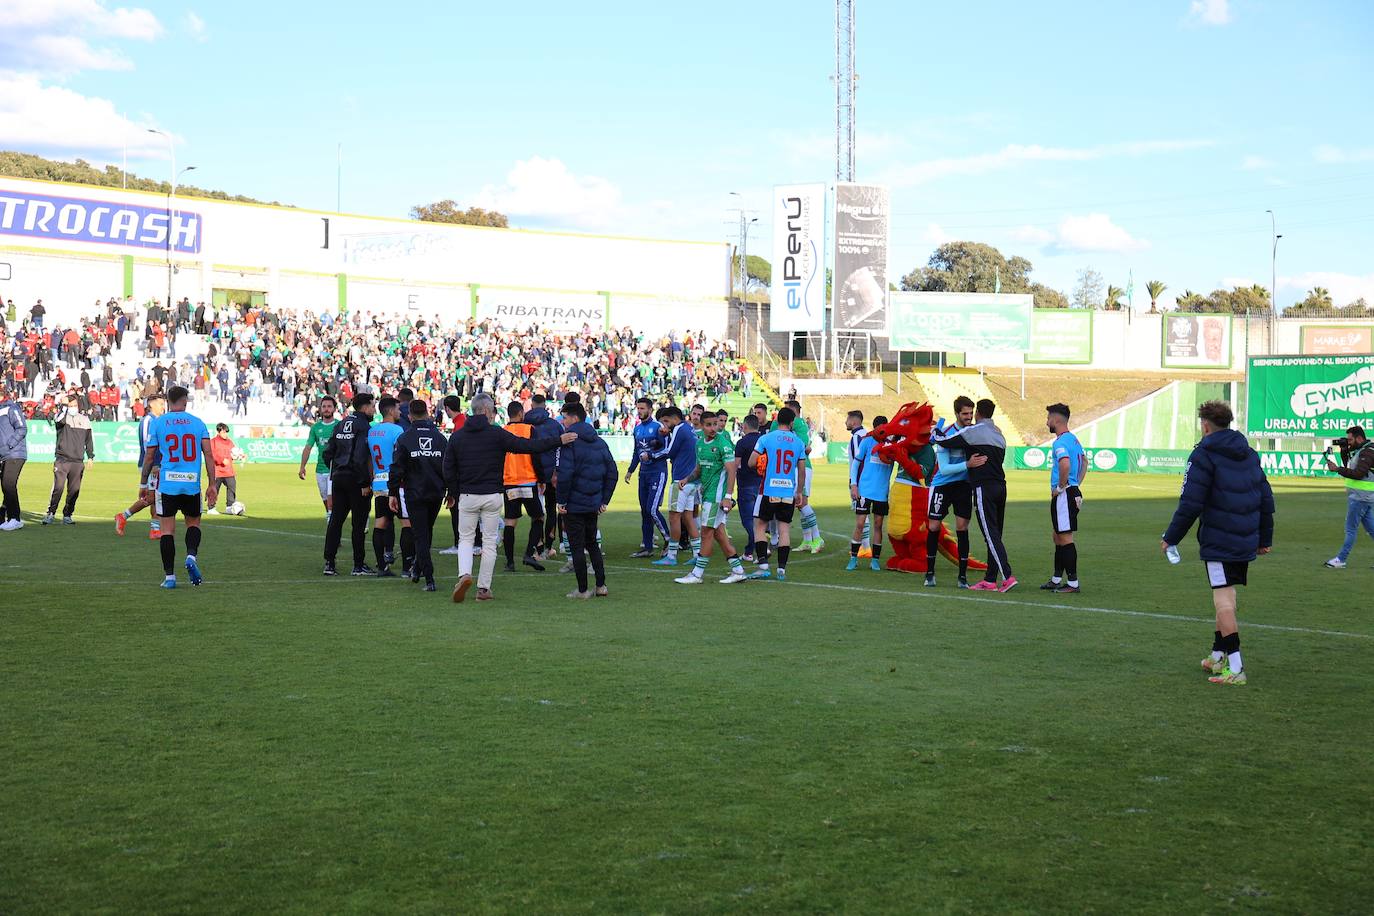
x: 684, y: 497
x: 714, y: 515
x: 322, y: 481
x: 806, y: 483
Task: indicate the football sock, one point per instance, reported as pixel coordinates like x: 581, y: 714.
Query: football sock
x: 761, y: 551
x: 736, y: 565
x: 672, y: 550
x: 699, y: 566
x: 508, y: 542
x: 1071, y: 563
x: 127, y: 514
x: 868, y: 533
x: 1217, y: 654
x: 877, y: 551
x: 389, y: 538
x: 192, y: 540
x: 810, y: 524
x: 168, y: 544
x: 853, y: 548
x: 407, y: 548
x: 962, y: 537
x: 379, y: 546
x: 932, y: 548
x: 1230, y: 644
x: 532, y: 544
x: 1058, y: 563
x: 783, y: 551
x: 696, y: 545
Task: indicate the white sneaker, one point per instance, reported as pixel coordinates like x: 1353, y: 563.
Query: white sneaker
x: 212, y: 511
x: 1335, y: 563
x: 689, y: 580
x: 49, y: 519
x: 13, y: 524
x: 450, y: 551
x: 733, y: 578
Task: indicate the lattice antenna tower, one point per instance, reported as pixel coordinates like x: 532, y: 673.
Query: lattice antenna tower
x: 845, y: 84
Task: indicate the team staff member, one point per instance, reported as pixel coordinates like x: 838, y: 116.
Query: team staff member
x: 180, y: 443
x: 1068, y: 465
x: 522, y: 491
x: 157, y: 406
x: 950, y: 492
x: 747, y: 481
x: 417, y: 487
x: 1358, y: 455
x: 987, y: 451
x: 74, y: 453
x: 14, y: 452
x: 222, y: 451
x: 350, y: 485
x: 474, y: 466
x: 586, y: 483
x: 653, y: 477
x: 381, y: 443
x: 1224, y: 486
x: 321, y: 431
x: 453, y: 410
x: 870, y: 477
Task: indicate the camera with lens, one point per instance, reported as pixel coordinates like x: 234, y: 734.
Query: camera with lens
x: 1341, y: 445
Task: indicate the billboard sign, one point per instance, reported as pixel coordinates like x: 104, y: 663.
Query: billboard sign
x: 1309, y: 395
x: 1062, y: 336
x: 860, y: 282
x: 961, y: 321
x: 798, y: 288
x: 1196, y: 342
x: 512, y: 309
x: 1336, y: 339
x: 75, y: 219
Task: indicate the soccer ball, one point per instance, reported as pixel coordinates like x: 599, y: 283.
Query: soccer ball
x: 235, y: 508
x: 237, y: 454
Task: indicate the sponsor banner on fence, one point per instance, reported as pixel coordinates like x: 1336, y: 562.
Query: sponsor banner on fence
x: 1172, y: 461
x: 1061, y: 336
x: 961, y: 321
x: 1309, y: 395
x: 798, y: 288
x: 1196, y: 342
x: 860, y: 281
x: 554, y: 311
x: 1336, y: 339
x: 76, y: 219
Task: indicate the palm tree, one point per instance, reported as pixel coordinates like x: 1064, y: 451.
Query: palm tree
x: 1156, y: 289
x: 1320, y: 295
x: 1112, y: 303
x: 1189, y: 301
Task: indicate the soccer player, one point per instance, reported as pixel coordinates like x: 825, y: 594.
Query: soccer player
x: 811, y: 526
x: 1225, y: 487
x: 381, y: 444
x: 653, y: 478
x: 179, y: 445
x: 522, y: 492
x: 854, y: 423
x: 987, y: 451
x: 779, y: 455
x: 715, y: 474
x: 950, y: 491
x: 869, y: 479
x: 680, y: 448
x: 321, y: 431
x: 417, y: 487
x: 747, y: 481
x: 1069, y: 464
x: 157, y: 406
x: 350, y: 485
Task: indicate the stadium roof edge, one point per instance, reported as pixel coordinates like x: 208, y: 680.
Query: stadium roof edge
x: 390, y: 219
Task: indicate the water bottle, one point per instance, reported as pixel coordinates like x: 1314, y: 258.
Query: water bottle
x: 1172, y: 554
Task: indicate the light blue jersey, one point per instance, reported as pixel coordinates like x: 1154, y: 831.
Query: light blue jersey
x: 951, y: 464
x: 871, y: 473
x: 381, y: 445
x: 178, y: 436
x: 782, y: 454
x: 1066, y: 445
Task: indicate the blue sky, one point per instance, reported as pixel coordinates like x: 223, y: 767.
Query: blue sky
x: 1136, y: 138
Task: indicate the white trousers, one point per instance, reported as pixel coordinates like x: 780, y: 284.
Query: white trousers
x: 485, y: 510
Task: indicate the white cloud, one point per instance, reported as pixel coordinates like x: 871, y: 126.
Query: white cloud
x: 1017, y: 153
x: 1209, y: 12
x: 934, y: 235
x: 544, y: 191
x: 1345, y: 288
x: 1253, y: 163
x: 195, y: 26
x: 1335, y: 155
x: 53, y: 119
x: 1032, y: 235
x: 1094, y: 232
x: 56, y: 36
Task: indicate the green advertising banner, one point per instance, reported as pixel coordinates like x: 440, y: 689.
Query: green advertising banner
x: 960, y: 321
x: 1281, y: 463
x: 1309, y: 395
x: 1061, y: 336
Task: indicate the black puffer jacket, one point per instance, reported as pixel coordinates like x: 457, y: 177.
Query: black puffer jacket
x: 1224, y: 486
x: 475, y: 460
x: 586, y: 471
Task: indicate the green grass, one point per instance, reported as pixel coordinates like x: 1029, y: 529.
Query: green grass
x: 841, y: 742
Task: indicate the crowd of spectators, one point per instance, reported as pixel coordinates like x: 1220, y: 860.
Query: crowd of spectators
x: 238, y: 354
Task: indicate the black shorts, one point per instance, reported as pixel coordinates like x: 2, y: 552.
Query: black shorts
x: 1064, y: 510
x: 769, y: 511
x: 1226, y: 573
x: 381, y: 507
x: 404, y: 513
x: 957, y: 496
x: 876, y: 506
x: 169, y: 504
x: 526, y: 496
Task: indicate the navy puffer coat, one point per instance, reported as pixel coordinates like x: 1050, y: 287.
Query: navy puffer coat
x: 586, y: 471
x: 1225, y: 488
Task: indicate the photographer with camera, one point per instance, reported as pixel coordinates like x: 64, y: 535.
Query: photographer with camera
x: 1357, y: 454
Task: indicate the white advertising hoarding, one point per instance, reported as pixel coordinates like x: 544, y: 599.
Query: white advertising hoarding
x: 798, y: 288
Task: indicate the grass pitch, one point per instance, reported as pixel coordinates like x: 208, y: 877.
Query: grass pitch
x: 840, y: 742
